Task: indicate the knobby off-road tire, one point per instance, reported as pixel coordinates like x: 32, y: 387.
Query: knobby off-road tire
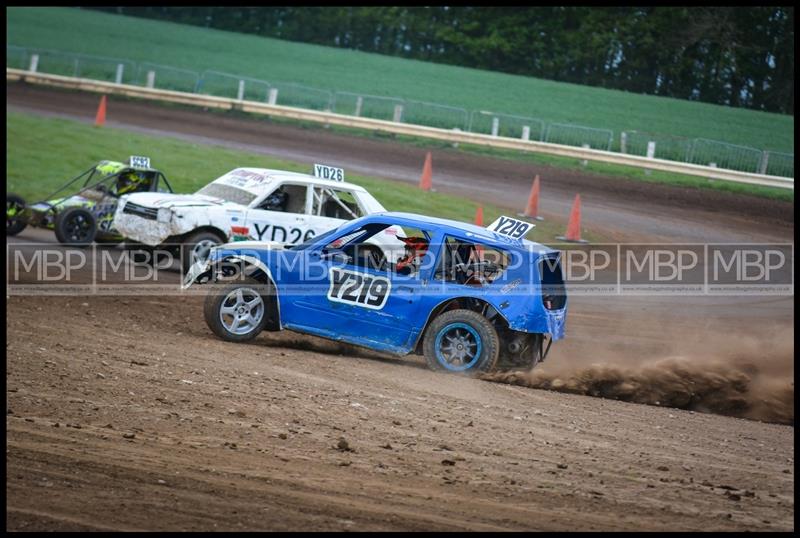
x: 75, y: 226
x: 14, y: 221
x: 247, y: 300
x: 461, y: 341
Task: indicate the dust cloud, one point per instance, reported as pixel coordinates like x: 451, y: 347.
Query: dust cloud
x: 734, y: 375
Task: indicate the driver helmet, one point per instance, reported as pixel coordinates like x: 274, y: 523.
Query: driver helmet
x: 276, y: 201
x: 415, y: 247
x: 128, y: 181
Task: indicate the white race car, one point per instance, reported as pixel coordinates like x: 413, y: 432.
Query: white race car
x: 253, y: 204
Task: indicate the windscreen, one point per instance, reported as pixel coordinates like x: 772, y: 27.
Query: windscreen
x: 228, y: 193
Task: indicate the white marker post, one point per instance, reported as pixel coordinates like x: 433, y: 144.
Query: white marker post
x: 240, y: 93
x: 584, y: 162
x: 34, y: 63
x: 120, y: 71
x: 495, y: 126
x: 359, y: 104
x: 273, y: 96
x: 651, y: 154
x: 398, y: 113
x: 526, y: 132
x: 151, y: 79
x: 712, y: 165
x: 762, y: 167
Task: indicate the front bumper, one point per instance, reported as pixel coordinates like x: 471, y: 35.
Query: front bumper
x: 201, y: 271
x: 145, y: 229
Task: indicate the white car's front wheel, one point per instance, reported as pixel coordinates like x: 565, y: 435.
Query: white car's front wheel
x: 197, y: 247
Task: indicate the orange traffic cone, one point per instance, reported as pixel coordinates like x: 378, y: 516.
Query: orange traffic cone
x: 532, y: 211
x: 573, y: 234
x: 427, y: 171
x: 100, y: 118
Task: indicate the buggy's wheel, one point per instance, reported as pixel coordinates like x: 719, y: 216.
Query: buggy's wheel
x: 15, y: 222
x: 461, y: 341
x: 75, y: 226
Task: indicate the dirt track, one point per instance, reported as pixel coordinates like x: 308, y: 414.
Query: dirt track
x: 246, y: 436
x: 233, y: 437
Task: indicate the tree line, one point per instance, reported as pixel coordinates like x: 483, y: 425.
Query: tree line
x: 736, y: 56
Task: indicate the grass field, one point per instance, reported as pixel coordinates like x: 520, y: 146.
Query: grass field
x: 336, y: 69
x: 42, y: 154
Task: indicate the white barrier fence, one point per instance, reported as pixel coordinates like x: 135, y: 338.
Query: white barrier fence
x: 449, y: 135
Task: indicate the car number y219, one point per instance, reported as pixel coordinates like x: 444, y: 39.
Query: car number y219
x: 358, y: 289
x: 513, y: 228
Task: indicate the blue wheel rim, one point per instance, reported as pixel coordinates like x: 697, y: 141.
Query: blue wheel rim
x: 450, y: 355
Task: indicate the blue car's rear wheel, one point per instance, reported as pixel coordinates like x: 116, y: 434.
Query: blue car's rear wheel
x: 461, y: 341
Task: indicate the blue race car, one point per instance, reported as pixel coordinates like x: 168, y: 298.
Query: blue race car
x: 469, y: 299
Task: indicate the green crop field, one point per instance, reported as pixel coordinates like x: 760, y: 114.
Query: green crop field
x: 42, y: 154
x: 190, y: 47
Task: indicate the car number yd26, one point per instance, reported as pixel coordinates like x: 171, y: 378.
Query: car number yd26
x: 328, y: 172
x: 358, y: 289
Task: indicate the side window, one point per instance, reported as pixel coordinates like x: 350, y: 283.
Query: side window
x: 163, y: 185
x: 335, y: 203
x: 288, y: 198
x: 382, y: 247
x: 553, y: 293
x: 469, y: 263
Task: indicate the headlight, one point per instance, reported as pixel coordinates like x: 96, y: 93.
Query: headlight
x: 164, y: 214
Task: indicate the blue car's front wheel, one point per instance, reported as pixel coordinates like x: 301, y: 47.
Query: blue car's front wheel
x: 461, y: 341
x: 239, y: 311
